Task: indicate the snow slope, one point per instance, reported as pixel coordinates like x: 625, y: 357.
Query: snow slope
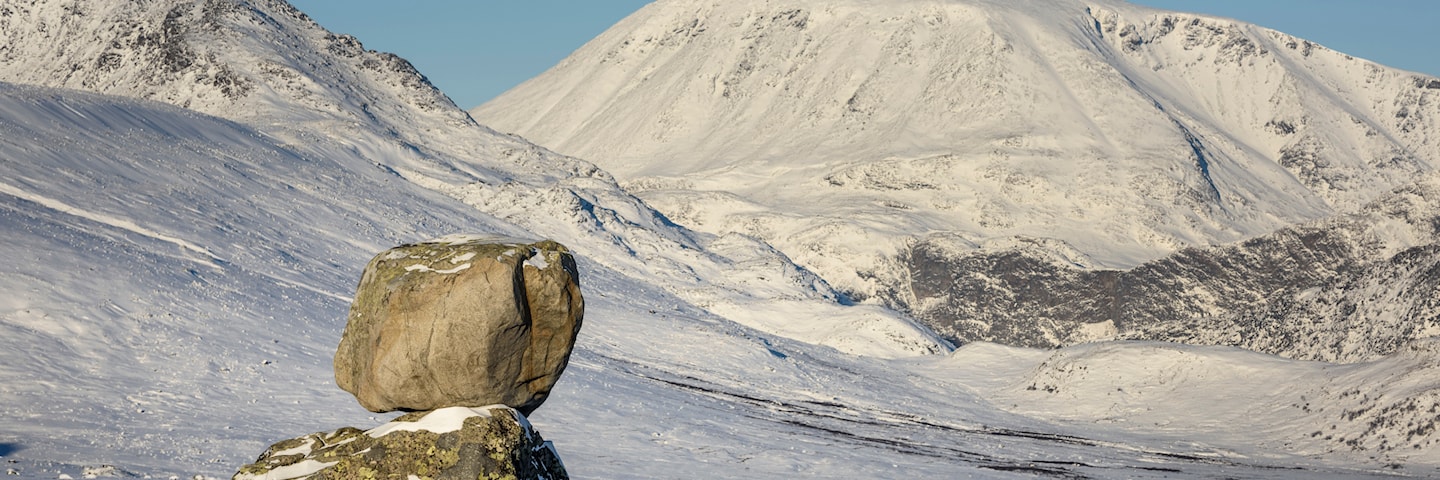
x: 1384, y: 410
x: 267, y: 65
x: 179, y: 282
x: 177, y: 279
x: 841, y: 131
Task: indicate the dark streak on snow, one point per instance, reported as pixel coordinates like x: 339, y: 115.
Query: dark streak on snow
x: 812, y: 415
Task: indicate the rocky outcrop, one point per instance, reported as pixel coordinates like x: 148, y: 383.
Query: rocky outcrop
x: 471, y: 332
x: 1376, y: 310
x: 451, y: 443
x: 1162, y: 130
x: 1351, y: 288
x: 461, y: 321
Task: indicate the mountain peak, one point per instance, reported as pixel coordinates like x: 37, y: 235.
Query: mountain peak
x: 1122, y: 131
x: 240, y: 59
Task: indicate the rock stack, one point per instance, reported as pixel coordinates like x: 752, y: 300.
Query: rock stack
x: 469, y: 334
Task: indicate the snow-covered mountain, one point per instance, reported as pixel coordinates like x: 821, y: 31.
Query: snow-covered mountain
x: 842, y: 131
x: 189, y: 190
x: 266, y: 64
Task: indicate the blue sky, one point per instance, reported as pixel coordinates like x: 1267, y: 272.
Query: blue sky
x: 476, y: 49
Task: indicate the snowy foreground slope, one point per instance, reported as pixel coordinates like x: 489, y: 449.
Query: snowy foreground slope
x: 177, y: 276
x: 179, y: 285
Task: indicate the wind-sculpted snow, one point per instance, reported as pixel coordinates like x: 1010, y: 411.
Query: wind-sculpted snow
x: 175, y: 280
x: 843, y: 131
x: 1359, y: 118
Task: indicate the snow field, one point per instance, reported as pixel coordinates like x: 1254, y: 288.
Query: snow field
x: 178, y: 283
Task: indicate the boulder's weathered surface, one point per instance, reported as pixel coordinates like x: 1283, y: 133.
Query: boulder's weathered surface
x: 450, y: 443
x: 461, y: 321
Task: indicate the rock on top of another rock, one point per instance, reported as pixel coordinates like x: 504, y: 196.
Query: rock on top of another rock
x: 455, y: 442
x: 461, y: 321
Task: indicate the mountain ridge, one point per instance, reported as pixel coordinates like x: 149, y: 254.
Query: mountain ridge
x: 1119, y: 130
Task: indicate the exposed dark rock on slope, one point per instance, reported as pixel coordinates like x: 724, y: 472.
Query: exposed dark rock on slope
x: 1349, y: 288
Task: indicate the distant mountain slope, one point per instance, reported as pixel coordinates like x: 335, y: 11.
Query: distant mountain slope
x: 1348, y: 288
x: 840, y: 131
x: 264, y: 63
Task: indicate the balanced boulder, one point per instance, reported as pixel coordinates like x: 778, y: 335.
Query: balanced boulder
x: 461, y: 321
x: 455, y: 442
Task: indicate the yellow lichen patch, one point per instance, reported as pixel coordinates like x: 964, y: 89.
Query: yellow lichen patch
x: 499, y: 446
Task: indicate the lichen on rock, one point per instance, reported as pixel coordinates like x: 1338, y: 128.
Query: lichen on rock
x: 494, y: 442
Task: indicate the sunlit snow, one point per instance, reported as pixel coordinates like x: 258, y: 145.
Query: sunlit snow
x: 179, y: 262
